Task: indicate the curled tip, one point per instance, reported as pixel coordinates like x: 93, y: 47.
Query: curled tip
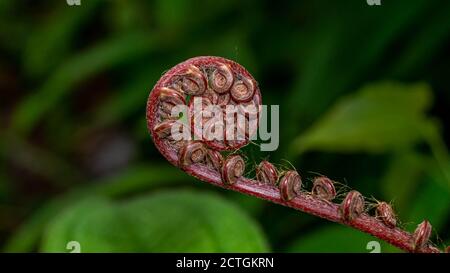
x: 211, y: 95
x: 385, y: 213
x: 290, y: 185
x: 232, y: 169
x: 421, y: 235
x: 214, y: 159
x: 221, y: 78
x: 242, y: 90
x: 192, y: 81
x: 323, y: 188
x: 192, y: 152
x: 164, y: 129
x: 170, y: 95
x: 168, y: 99
x: 352, y: 206
x: 267, y: 173
x: 223, y: 99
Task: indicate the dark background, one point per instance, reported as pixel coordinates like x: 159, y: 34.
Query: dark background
x: 363, y: 94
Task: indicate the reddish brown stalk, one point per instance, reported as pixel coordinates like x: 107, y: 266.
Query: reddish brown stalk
x: 305, y: 202
x: 214, y: 77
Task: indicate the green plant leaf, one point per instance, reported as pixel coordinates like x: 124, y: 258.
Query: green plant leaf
x: 178, y: 221
x: 337, y: 239
x: 91, y: 220
x: 431, y: 203
x: 380, y: 117
x: 135, y: 179
x: 401, y: 180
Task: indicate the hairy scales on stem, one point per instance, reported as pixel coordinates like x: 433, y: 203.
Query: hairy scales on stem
x: 224, y: 82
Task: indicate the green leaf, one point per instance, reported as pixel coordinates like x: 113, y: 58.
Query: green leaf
x: 401, y: 180
x: 135, y: 179
x: 179, y: 221
x: 91, y: 220
x: 432, y: 203
x: 380, y: 117
x: 337, y: 239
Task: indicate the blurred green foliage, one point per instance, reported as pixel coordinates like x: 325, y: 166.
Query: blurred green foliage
x: 363, y: 92
x: 166, y: 222
x: 356, y: 123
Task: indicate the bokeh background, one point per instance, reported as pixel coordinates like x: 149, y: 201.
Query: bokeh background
x: 363, y: 93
